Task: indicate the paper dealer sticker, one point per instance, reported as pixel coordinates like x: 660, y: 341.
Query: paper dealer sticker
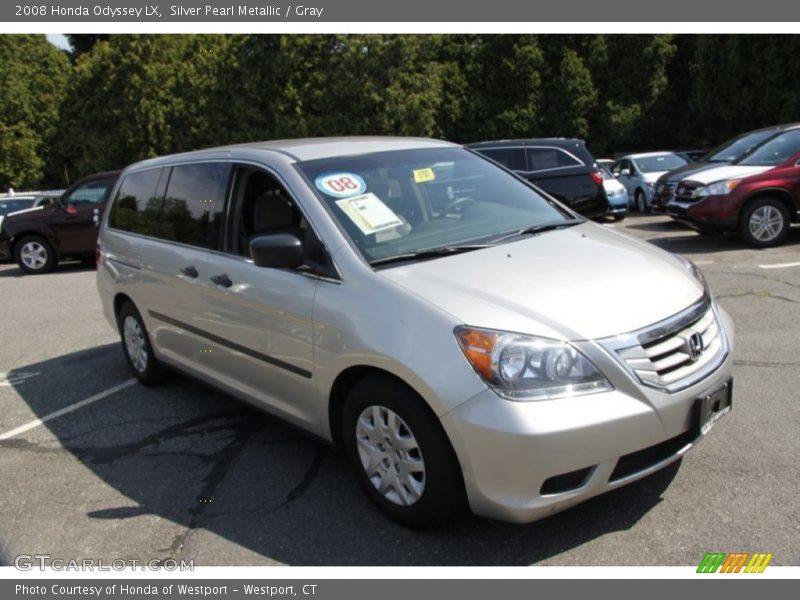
x: 340, y: 185
x: 423, y: 175
x: 369, y: 213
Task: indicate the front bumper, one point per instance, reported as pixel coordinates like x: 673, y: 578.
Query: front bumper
x: 523, y: 461
x: 712, y: 213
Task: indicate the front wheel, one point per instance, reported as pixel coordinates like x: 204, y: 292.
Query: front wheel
x: 764, y: 223
x: 641, y: 202
x: 35, y: 255
x: 401, y: 454
x: 137, y: 348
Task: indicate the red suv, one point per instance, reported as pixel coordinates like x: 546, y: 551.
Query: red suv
x: 757, y: 196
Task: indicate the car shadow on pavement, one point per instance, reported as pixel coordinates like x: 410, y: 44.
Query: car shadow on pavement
x: 201, y: 459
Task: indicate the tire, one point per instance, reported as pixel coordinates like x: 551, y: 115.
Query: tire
x: 641, y: 202
x: 619, y: 217
x: 34, y: 255
x: 431, y: 491
x: 137, y: 348
x: 765, y: 222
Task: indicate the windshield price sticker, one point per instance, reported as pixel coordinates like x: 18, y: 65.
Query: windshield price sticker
x: 340, y: 185
x: 369, y: 213
x: 423, y: 175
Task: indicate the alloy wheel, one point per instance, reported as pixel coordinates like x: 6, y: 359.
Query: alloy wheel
x: 766, y: 223
x: 135, y: 344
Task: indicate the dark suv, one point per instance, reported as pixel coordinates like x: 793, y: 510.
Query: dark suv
x: 562, y: 167
x: 733, y: 149
x: 68, y: 228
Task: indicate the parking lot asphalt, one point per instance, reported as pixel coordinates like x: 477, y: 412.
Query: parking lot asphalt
x: 186, y: 472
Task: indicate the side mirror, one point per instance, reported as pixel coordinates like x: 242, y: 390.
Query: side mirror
x: 625, y: 173
x: 277, y: 251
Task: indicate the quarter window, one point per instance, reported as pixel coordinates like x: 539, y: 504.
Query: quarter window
x: 510, y: 158
x: 137, y: 207
x: 541, y: 159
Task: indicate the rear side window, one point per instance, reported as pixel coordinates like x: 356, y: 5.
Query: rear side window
x: 193, y: 204
x: 541, y: 159
x: 510, y: 158
x: 137, y: 207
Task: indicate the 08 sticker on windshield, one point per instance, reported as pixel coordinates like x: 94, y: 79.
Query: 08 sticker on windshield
x: 340, y: 185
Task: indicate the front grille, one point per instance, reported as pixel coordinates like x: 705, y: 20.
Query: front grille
x: 662, y: 356
x: 665, y: 190
x: 685, y: 191
x: 638, y: 461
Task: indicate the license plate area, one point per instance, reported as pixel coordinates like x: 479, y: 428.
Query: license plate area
x: 710, y: 408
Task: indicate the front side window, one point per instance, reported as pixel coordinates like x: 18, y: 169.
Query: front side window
x: 779, y: 149
x: 90, y: 193
x: 409, y: 201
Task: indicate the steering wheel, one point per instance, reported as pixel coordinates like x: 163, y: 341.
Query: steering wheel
x: 455, y: 203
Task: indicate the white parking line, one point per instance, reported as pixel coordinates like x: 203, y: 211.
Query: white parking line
x: 780, y: 265
x: 704, y: 262
x: 67, y: 409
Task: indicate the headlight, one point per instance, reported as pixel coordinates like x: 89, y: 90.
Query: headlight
x: 524, y: 367
x: 720, y: 188
x: 695, y: 271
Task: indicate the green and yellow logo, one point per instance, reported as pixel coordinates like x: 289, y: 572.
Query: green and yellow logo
x: 737, y: 562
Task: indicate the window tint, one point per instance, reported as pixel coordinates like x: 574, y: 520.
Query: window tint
x: 137, y: 208
x: 510, y: 158
x: 12, y: 205
x: 91, y: 192
x: 540, y: 159
x: 192, y: 207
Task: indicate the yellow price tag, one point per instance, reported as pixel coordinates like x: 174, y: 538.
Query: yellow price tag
x: 423, y: 175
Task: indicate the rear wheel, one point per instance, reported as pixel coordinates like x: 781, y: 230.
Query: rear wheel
x: 137, y: 348
x: 401, y: 454
x: 765, y: 222
x: 619, y: 217
x: 35, y: 255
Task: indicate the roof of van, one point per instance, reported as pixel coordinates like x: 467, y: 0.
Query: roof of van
x: 323, y: 147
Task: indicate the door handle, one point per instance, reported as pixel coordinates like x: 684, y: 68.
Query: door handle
x: 189, y: 272
x: 222, y: 280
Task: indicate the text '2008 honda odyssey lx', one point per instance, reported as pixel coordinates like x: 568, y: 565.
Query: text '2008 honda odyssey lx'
x: 457, y: 331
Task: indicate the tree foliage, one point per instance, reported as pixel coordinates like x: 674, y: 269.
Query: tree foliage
x: 129, y: 97
x: 32, y: 84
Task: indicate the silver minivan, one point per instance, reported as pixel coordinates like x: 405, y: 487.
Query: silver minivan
x: 458, y: 332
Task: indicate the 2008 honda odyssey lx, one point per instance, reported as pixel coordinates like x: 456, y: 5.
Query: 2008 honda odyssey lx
x: 455, y: 329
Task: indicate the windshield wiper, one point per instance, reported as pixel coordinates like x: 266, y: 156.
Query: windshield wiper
x: 534, y: 229
x: 428, y: 253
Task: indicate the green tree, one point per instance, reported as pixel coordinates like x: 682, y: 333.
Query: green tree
x: 33, y: 81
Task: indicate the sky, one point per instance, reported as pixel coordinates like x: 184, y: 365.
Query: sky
x: 58, y: 39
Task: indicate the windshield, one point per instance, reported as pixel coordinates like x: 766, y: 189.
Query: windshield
x: 777, y: 150
x: 737, y: 147
x: 662, y: 162
x: 407, y: 201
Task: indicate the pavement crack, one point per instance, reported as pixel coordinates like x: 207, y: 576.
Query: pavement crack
x: 764, y: 363
x: 759, y: 294
x: 222, y: 462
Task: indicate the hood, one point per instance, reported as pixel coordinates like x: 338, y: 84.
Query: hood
x: 685, y: 171
x: 583, y: 282
x: 727, y: 172
x: 25, y: 211
x: 612, y: 185
x: 652, y: 176
x: 37, y: 214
